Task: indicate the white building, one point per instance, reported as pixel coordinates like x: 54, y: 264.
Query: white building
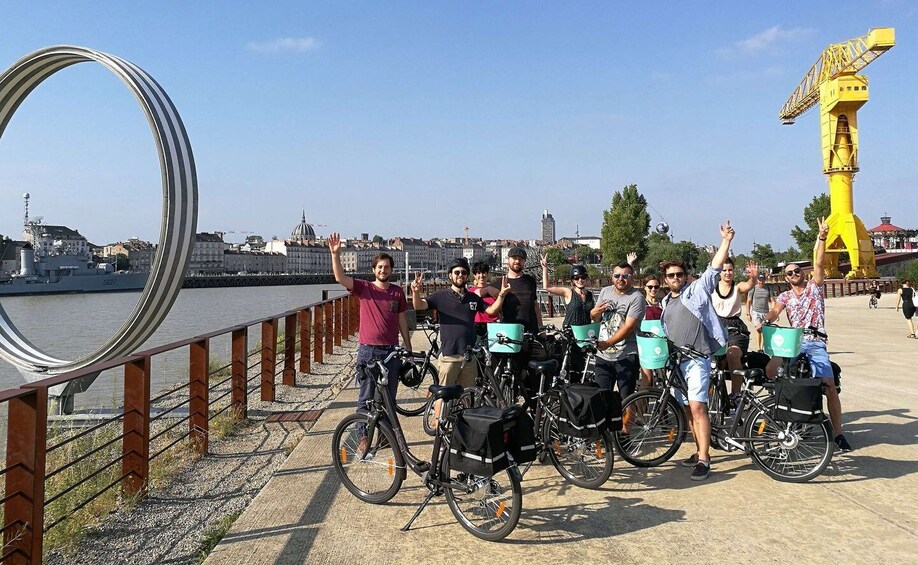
x: 254, y: 262
x: 207, y: 255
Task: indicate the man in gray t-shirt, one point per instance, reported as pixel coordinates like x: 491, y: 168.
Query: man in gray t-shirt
x: 619, y: 309
x: 758, y: 302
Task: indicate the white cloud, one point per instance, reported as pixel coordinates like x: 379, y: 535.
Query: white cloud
x: 765, y: 41
x: 285, y: 45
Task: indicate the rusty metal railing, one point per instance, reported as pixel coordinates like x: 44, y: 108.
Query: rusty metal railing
x: 316, y: 328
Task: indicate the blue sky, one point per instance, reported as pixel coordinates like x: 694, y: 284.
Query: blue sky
x: 419, y: 118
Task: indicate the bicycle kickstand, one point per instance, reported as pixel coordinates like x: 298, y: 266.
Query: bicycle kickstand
x: 420, y: 509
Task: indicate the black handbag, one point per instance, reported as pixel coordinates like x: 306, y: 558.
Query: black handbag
x: 799, y: 400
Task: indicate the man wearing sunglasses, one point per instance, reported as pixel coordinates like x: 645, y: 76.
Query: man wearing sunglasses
x: 806, y: 307
x: 619, y: 309
x: 457, y: 307
x: 689, y: 319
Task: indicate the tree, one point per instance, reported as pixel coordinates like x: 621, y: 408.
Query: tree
x: 624, y: 226
x: 562, y: 272
x: 377, y: 239
x: 660, y: 248
x: 764, y: 255
x: 555, y: 256
x: 585, y: 254
x: 908, y: 272
x: 122, y: 263
x: 593, y: 273
x: 806, y: 237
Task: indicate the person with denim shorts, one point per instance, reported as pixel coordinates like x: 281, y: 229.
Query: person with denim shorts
x: 806, y: 308
x: 689, y: 319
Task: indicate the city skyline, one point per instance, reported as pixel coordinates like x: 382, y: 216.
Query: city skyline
x: 371, y: 118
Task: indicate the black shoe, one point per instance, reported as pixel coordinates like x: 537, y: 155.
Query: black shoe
x: 691, y: 461
x: 701, y: 470
x: 842, y: 443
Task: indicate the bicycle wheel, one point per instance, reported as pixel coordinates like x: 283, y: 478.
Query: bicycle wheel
x: 470, y: 398
x: 586, y: 463
x: 655, y: 428
x: 411, y: 400
x: 378, y: 476
x: 487, y: 507
x: 718, y: 408
x: 788, y: 451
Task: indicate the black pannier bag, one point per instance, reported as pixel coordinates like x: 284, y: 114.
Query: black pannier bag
x: 799, y: 400
x: 521, y: 435
x: 477, y: 444
x: 584, y: 411
x: 614, y: 410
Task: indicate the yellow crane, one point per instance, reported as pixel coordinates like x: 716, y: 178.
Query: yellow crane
x: 833, y: 82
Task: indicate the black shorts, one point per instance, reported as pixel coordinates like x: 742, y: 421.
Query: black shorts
x: 737, y: 333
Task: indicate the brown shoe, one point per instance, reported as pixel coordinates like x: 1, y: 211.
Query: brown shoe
x: 362, y: 446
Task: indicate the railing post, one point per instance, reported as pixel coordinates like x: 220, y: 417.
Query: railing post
x: 346, y: 317
x: 24, y: 509
x: 135, y: 467
x: 268, y: 358
x: 339, y: 320
x: 289, y: 377
x: 317, y: 328
x: 355, y: 313
x: 305, y: 340
x: 329, y: 334
x: 198, y: 394
x: 240, y: 394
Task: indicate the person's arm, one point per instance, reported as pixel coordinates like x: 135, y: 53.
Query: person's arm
x: 726, y: 236
x: 749, y: 304
x: 820, y: 259
x: 556, y: 290
x: 899, y: 300
x: 748, y: 284
x: 334, y: 246
x: 596, y: 312
x: 494, y: 308
x: 772, y: 314
x: 626, y: 328
x: 403, y: 329
x: 417, y: 301
x: 632, y: 260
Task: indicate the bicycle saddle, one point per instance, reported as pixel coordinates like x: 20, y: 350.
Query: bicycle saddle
x: 445, y: 392
x: 548, y: 366
x: 754, y: 375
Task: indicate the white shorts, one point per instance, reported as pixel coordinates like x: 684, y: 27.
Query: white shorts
x: 758, y: 318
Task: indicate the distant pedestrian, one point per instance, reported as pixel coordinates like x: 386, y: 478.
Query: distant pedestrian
x: 383, y: 316
x: 907, y: 301
x: 758, y: 302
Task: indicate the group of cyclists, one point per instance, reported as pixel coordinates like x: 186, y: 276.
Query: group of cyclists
x: 704, y: 313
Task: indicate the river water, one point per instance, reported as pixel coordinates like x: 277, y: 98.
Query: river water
x: 68, y: 326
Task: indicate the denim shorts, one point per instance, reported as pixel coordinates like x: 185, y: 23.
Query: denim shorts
x: 697, y: 373
x: 820, y: 368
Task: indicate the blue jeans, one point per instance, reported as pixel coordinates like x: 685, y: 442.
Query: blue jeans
x: 819, y: 359
x: 367, y: 354
x: 623, y: 372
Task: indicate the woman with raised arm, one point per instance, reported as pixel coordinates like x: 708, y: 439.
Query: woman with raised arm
x: 578, y: 301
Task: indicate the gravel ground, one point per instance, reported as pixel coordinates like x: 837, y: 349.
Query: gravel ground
x: 169, y: 525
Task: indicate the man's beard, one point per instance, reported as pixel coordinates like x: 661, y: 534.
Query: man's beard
x: 384, y: 277
x: 516, y: 269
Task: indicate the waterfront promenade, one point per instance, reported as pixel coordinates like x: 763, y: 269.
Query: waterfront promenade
x: 861, y: 508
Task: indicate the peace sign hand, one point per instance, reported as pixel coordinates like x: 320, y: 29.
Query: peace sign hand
x: 727, y: 232
x: 416, y: 283
x: 823, y: 227
x: 504, y: 287
x: 543, y: 260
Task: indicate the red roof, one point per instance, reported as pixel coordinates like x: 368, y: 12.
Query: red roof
x: 886, y: 227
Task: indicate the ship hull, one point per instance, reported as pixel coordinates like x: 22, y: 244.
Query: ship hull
x: 110, y: 282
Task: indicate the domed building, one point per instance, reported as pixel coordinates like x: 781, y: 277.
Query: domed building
x: 303, y: 232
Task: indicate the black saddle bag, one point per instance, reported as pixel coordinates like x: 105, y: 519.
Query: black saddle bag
x: 521, y: 438
x: 799, y: 400
x: 477, y: 445
x: 585, y: 411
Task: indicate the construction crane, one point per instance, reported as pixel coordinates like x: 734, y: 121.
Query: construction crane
x: 833, y: 82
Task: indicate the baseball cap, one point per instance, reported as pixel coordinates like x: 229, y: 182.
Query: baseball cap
x: 761, y: 277
x: 517, y: 252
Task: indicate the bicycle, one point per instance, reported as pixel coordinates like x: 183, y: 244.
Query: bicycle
x: 584, y: 462
x: 786, y: 451
x: 418, y: 372
x: 370, y: 455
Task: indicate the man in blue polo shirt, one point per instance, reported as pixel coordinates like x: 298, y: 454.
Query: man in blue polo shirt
x: 457, y: 307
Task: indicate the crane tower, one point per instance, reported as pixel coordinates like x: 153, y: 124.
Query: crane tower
x: 833, y: 82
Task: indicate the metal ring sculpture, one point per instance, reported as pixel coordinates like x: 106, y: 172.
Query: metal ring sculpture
x: 179, y: 214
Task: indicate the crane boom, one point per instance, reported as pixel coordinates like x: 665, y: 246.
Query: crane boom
x: 845, y: 58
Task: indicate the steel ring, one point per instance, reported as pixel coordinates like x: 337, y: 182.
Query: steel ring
x: 179, y: 212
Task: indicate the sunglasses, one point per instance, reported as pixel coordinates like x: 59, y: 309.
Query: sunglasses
x: 625, y: 276
x: 460, y: 272
x: 679, y: 275
x: 792, y: 272
x: 578, y: 278
x: 652, y: 287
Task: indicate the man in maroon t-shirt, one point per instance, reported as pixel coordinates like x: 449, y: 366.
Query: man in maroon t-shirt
x: 383, y: 316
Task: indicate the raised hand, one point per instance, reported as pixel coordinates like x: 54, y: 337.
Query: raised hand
x: 504, y: 286
x: 334, y: 242
x: 753, y: 269
x: 726, y: 232
x: 416, y: 283
x: 823, y: 227
x: 543, y: 260
x: 631, y: 257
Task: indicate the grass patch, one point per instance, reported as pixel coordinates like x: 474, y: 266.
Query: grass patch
x: 214, y: 534
x: 224, y: 424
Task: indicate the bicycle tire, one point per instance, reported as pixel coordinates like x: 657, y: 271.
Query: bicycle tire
x: 797, y: 457
x: 377, y: 477
x: 470, y: 399
x: 481, y: 507
x: 410, y: 401
x: 586, y: 463
x: 650, y: 445
x: 718, y: 405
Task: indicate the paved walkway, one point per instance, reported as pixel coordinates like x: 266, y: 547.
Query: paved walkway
x: 862, y: 507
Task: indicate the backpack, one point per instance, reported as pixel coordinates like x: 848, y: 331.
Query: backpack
x: 799, y: 400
